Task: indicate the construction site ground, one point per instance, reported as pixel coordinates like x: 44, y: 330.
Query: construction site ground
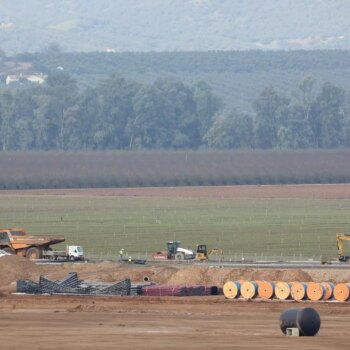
x: 85, y: 322
x: 211, y: 322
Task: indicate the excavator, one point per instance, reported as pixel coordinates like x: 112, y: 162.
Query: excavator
x: 202, y: 253
x: 340, y: 245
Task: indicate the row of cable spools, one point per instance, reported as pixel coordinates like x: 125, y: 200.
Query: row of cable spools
x: 297, y: 291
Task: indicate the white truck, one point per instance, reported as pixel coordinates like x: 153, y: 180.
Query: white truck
x: 72, y: 253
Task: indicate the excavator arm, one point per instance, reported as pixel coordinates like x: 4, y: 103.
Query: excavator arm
x: 218, y: 252
x: 340, y: 245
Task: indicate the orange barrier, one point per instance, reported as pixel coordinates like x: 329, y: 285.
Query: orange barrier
x: 298, y: 291
x: 266, y: 289
x: 329, y: 287
x: 315, y: 291
x: 342, y: 291
x: 282, y: 290
x: 232, y: 289
x: 249, y: 290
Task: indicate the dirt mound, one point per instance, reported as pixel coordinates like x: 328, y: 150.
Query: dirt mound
x: 330, y: 275
x: 282, y: 275
x: 14, y: 267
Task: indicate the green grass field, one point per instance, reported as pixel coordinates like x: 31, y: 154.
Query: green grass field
x: 249, y: 228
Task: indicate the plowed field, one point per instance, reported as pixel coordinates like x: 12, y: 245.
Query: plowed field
x: 253, y: 191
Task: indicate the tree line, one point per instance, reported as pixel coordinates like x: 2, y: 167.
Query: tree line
x: 119, y: 113
x: 306, y: 118
x: 186, y: 61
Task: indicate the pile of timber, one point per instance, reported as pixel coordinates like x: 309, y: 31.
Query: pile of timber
x: 297, y: 291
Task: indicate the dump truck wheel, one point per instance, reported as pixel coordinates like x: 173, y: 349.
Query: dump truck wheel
x: 33, y: 253
x: 179, y: 256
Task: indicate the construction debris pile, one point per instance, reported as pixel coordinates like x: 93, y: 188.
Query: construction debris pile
x: 72, y: 285
x: 297, y: 291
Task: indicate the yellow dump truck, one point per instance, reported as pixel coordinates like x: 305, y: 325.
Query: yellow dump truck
x: 17, y: 241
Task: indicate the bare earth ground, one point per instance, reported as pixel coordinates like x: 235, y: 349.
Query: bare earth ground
x: 159, y: 323
x: 76, y: 322
x: 249, y: 191
x: 58, y: 322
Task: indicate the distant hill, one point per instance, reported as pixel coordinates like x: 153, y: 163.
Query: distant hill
x: 237, y: 77
x: 168, y: 25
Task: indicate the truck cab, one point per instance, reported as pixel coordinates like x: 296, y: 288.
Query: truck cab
x: 75, y: 252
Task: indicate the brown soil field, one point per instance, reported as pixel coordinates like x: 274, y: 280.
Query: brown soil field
x: 55, y: 322
x: 248, y: 191
x: 99, y: 322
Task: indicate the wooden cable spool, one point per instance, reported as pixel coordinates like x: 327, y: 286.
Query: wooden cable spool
x: 298, y: 291
x: 329, y: 287
x: 249, y: 290
x: 258, y: 282
x: 282, y: 290
x: 266, y: 289
x: 232, y: 289
x: 342, y: 291
x: 315, y: 291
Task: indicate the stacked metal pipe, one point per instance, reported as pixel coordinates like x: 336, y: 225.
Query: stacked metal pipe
x: 177, y: 290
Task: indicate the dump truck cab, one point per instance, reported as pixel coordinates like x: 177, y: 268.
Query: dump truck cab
x: 6, y: 237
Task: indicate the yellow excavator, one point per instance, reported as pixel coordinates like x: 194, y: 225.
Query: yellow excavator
x: 202, y: 253
x: 340, y: 244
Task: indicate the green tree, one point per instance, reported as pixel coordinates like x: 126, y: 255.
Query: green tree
x: 62, y: 93
x: 270, y: 109
x: 207, y: 106
x: 328, y: 117
x: 115, y: 109
x: 232, y: 131
x: 83, y: 120
x: 165, y: 117
x: 6, y: 119
x: 294, y: 130
x: 43, y: 127
x: 24, y: 105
